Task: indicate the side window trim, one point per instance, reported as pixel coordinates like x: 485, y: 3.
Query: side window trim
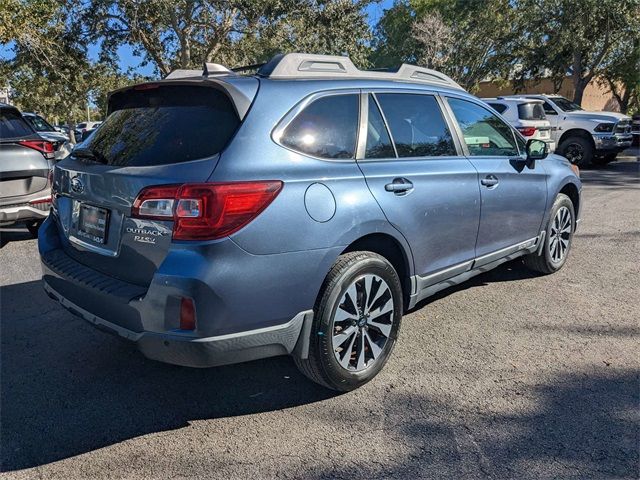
x: 288, y: 117
x: 386, y: 124
x: 459, y: 133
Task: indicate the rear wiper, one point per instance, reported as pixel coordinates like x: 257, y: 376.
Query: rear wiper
x: 86, y: 152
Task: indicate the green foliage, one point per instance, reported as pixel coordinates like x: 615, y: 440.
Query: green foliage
x: 478, y: 37
x: 172, y: 34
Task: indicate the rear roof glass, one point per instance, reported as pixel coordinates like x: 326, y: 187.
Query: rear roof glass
x: 164, y: 124
x: 12, y: 125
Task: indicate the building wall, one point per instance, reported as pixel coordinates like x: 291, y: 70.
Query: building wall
x: 596, y: 97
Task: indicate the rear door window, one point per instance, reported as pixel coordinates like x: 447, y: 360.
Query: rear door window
x: 12, y: 125
x: 417, y: 125
x: 163, y: 125
x: 326, y: 128
x: 484, y: 133
x: 531, y: 111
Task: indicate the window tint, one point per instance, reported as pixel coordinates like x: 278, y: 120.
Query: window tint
x: 169, y: 124
x: 378, y: 142
x: 12, y: 125
x: 483, y: 132
x: 498, y: 107
x: 548, y: 109
x: 531, y: 111
x: 417, y: 126
x: 326, y: 128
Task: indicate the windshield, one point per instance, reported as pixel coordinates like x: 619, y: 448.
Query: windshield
x: 39, y: 124
x: 162, y: 125
x: 566, y: 105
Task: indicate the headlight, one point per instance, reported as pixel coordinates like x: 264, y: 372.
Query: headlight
x: 605, y: 127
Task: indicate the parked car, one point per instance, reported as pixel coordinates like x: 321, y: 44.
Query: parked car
x: 26, y: 159
x: 49, y: 132
x: 585, y: 137
x: 216, y: 218
x: 81, y: 128
x: 526, y: 115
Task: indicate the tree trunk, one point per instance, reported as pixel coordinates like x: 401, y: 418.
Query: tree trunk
x: 72, y: 135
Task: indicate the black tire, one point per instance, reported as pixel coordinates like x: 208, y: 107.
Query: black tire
x: 322, y: 366
x: 544, y: 261
x: 33, y: 227
x: 578, y: 150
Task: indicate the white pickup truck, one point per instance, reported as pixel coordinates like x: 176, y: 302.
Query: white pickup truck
x: 585, y: 137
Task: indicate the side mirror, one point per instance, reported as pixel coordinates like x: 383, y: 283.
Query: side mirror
x: 537, y: 149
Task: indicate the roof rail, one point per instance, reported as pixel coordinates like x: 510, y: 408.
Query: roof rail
x: 208, y: 70
x: 303, y: 65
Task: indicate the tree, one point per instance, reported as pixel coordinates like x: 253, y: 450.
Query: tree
x: 468, y: 40
x: 173, y: 34
x: 622, y: 75
x: 581, y: 39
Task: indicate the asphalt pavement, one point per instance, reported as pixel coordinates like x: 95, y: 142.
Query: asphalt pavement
x: 510, y: 375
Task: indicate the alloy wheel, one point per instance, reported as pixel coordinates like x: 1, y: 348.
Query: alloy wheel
x: 560, y: 234
x: 574, y: 153
x: 362, y: 323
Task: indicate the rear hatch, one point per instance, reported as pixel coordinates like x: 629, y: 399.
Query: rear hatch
x: 24, y: 168
x: 166, y: 133
x: 533, y: 121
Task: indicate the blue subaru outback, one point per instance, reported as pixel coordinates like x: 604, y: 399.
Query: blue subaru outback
x: 216, y: 218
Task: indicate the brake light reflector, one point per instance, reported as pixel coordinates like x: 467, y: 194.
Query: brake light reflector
x: 187, y: 314
x: 44, y: 147
x: 527, y: 131
x: 206, y: 211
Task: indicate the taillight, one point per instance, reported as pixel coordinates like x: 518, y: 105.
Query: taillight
x: 40, y: 200
x: 206, y: 211
x: 46, y: 148
x: 527, y: 131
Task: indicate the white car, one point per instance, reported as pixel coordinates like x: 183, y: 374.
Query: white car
x: 527, y: 115
x: 585, y: 137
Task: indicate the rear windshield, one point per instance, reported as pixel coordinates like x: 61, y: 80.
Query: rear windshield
x: 167, y: 124
x: 531, y: 111
x: 12, y: 125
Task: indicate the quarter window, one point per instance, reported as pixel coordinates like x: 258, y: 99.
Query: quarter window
x: 326, y: 128
x: 417, y: 125
x: 378, y: 141
x: 484, y: 133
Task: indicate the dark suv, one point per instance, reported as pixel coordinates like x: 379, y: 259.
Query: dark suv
x: 216, y: 218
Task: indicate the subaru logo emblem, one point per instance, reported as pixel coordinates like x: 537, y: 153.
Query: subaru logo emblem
x: 76, y: 185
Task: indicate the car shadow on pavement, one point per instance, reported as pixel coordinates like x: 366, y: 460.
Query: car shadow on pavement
x: 67, y: 389
x: 13, y: 234
x: 617, y: 174
x: 578, y: 425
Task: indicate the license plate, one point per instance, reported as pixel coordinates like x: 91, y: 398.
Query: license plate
x: 544, y: 133
x: 93, y: 223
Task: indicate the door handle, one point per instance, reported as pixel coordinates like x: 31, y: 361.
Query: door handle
x: 489, y: 181
x: 399, y: 186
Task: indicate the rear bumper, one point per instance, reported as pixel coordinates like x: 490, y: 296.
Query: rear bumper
x: 232, y: 327
x: 190, y: 351
x: 23, y: 212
